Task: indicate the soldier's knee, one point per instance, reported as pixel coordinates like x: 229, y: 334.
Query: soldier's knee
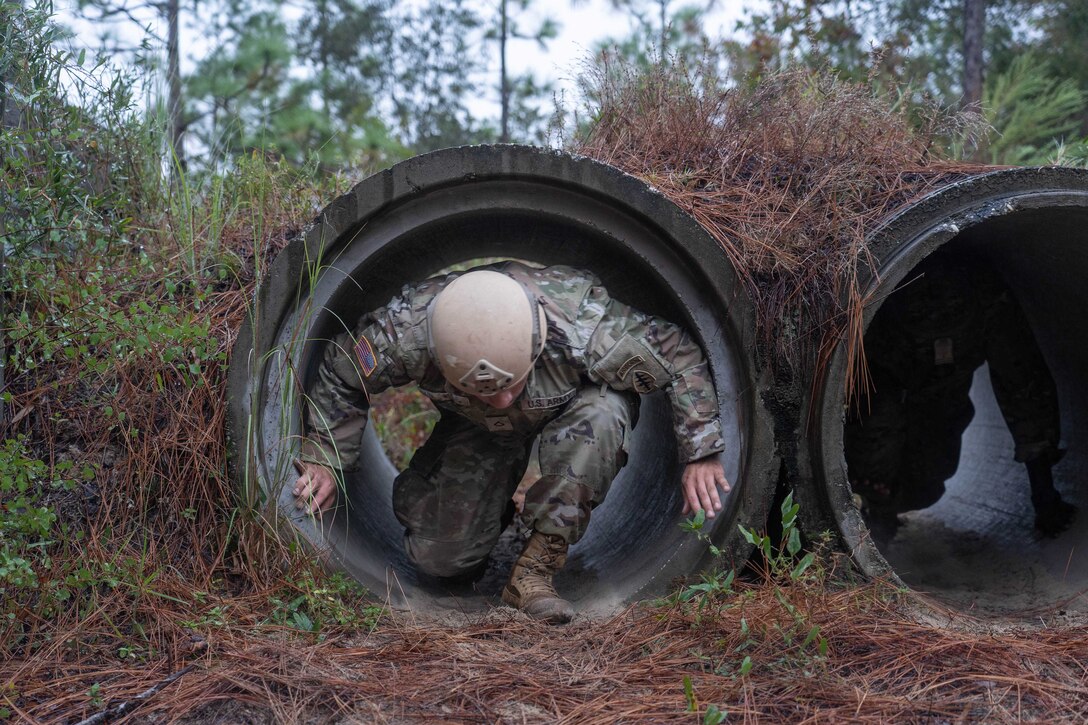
x: 445, y: 558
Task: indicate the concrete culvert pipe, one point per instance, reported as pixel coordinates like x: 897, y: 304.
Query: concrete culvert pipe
x: 454, y: 206
x: 976, y: 548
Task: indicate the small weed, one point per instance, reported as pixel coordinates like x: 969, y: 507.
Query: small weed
x: 790, y: 634
x: 214, y: 617
x: 714, y: 583
x: 312, y: 606
x: 713, y: 714
x: 129, y: 652
x: 783, y: 560
x: 94, y: 695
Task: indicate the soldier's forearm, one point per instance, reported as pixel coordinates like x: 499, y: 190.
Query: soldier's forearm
x: 336, y: 445
x: 695, y: 413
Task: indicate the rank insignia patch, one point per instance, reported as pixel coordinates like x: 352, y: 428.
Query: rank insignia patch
x: 498, y: 424
x: 365, y: 352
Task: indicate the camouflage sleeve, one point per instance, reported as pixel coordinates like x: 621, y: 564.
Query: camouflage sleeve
x: 630, y: 350
x: 1021, y: 380
x: 337, y: 404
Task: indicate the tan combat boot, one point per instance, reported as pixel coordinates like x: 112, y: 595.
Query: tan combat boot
x: 530, y: 587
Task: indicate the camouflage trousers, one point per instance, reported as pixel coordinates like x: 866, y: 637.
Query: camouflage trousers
x: 900, y: 451
x: 454, y: 499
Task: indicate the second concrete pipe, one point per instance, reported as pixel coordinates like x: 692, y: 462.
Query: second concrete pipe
x: 976, y: 550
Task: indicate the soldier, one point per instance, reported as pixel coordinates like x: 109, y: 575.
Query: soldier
x: 509, y: 354
x: 903, y: 440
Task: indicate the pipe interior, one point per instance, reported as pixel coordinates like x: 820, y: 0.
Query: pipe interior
x: 976, y: 548
x: 633, y: 536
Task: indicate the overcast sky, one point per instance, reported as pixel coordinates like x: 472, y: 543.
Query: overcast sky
x: 581, y: 25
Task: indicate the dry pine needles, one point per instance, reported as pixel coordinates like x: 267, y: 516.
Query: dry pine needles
x: 791, y: 175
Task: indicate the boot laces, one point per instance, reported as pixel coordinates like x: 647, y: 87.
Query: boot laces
x: 541, y: 562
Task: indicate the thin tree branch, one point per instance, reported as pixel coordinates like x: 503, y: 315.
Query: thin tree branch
x: 125, y: 707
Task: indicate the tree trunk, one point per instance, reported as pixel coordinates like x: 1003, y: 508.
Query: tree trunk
x: 7, y: 106
x: 173, y: 72
x: 663, y: 4
x: 974, y: 31
x: 504, y: 83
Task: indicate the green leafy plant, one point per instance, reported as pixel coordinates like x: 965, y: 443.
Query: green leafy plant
x: 713, y: 715
x: 314, y: 604
x: 782, y: 560
x: 787, y: 572
x: 27, y: 520
x: 713, y: 583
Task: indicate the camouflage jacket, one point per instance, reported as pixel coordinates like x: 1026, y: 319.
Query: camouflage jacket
x: 592, y: 339
x: 951, y: 315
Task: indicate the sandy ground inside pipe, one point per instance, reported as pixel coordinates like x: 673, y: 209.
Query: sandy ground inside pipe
x: 980, y: 574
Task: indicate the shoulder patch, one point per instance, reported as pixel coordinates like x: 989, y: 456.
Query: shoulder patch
x: 365, y: 352
x: 644, y: 382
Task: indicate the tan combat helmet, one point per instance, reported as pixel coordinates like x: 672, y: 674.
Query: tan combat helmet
x: 486, y: 331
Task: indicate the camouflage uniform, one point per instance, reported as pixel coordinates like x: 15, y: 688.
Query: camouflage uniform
x: 580, y: 401
x: 950, y: 316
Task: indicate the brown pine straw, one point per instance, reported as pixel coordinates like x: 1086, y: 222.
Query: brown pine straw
x: 791, y: 176
x: 881, y: 666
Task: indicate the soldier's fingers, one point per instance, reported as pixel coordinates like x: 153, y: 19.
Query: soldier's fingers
x: 691, y: 502
x: 304, y: 495
x: 301, y: 483
x: 714, y: 497
x: 705, y: 498
x: 322, y: 496
x: 688, y: 491
x: 691, y: 491
x: 719, y: 474
x: 309, y: 488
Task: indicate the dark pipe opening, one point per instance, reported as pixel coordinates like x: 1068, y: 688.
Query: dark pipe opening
x: 976, y: 548
x: 451, y: 207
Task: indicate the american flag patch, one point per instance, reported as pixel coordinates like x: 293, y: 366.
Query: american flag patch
x: 365, y: 352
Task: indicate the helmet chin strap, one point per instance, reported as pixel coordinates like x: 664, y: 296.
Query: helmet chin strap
x: 541, y: 335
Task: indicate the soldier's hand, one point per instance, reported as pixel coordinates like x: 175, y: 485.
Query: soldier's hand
x: 700, y: 483
x: 315, y: 488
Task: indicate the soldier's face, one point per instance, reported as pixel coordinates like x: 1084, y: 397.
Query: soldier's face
x: 503, y: 398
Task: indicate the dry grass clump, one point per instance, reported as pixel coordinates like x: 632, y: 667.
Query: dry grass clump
x: 790, y: 175
x: 121, y: 389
